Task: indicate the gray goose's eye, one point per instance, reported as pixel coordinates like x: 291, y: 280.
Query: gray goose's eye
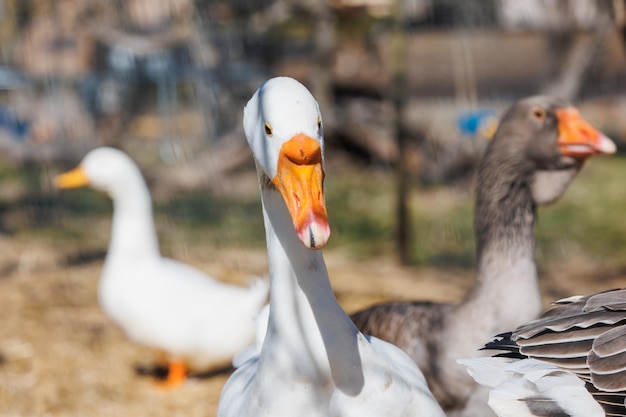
x: 268, y: 130
x: 539, y: 114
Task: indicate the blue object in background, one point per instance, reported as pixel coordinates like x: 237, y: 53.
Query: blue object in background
x: 482, y: 122
x: 19, y: 129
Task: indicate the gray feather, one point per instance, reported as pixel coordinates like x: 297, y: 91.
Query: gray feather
x: 587, y: 336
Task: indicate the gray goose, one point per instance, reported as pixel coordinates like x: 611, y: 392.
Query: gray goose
x: 571, y: 361
x: 540, y: 145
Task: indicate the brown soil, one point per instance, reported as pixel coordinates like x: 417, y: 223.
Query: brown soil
x: 60, y: 356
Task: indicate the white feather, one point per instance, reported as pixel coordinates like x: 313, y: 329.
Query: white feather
x: 517, y: 386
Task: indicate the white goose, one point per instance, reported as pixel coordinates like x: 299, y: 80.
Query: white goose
x: 313, y: 362
x: 197, y: 321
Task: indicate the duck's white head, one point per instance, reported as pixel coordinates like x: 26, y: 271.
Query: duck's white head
x: 283, y: 125
x: 102, y: 168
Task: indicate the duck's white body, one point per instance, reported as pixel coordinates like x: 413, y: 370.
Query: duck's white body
x: 194, y: 319
x: 313, y: 361
x: 159, y: 302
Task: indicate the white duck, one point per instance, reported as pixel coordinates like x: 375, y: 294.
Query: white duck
x: 197, y: 321
x: 568, y: 362
x: 314, y: 361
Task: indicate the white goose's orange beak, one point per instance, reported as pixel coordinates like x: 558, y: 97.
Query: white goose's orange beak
x: 300, y: 179
x: 74, y: 178
x: 579, y: 139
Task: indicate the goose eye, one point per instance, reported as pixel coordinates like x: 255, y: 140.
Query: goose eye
x: 268, y: 130
x: 319, y: 123
x: 539, y: 113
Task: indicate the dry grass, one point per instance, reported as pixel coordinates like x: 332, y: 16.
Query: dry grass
x: 60, y: 356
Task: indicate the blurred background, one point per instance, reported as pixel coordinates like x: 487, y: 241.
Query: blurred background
x: 410, y: 92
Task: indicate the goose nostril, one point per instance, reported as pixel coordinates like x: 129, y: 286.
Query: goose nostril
x: 301, y: 157
x: 302, y: 150
x: 587, y: 133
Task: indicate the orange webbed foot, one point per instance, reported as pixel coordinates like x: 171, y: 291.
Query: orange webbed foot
x: 176, y: 374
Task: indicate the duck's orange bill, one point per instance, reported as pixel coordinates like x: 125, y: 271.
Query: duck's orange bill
x: 300, y: 179
x: 72, y: 179
x: 579, y: 139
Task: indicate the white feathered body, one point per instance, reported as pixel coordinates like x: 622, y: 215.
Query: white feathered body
x: 170, y: 306
x: 393, y: 387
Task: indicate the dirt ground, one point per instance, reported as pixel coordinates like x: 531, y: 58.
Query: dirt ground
x: 60, y: 356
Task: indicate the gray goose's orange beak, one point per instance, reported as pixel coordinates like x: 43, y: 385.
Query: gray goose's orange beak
x: 579, y: 139
x: 300, y: 179
x: 74, y: 178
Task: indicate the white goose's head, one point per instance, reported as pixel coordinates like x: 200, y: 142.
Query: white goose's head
x: 283, y: 125
x: 106, y: 169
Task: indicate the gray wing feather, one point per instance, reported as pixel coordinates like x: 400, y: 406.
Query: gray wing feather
x: 586, y: 336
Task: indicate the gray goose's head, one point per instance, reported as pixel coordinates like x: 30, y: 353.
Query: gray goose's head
x: 544, y: 141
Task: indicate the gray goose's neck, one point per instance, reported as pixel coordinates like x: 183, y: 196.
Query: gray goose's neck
x: 505, y: 214
x: 309, y: 332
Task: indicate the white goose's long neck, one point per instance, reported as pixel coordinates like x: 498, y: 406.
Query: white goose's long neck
x: 309, y: 332
x: 132, y: 233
